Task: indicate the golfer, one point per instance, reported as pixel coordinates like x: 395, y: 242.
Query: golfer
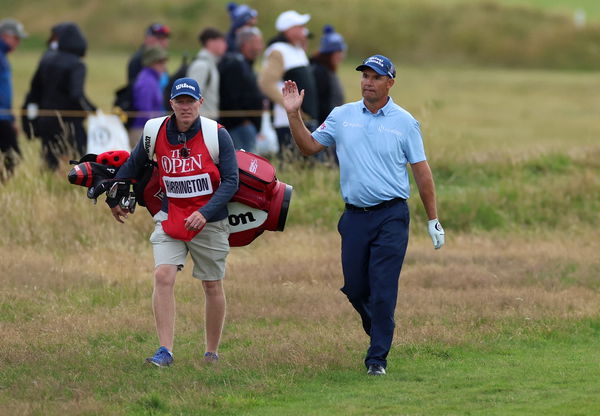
x: 375, y: 139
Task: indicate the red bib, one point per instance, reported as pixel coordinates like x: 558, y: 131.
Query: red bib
x: 188, y: 182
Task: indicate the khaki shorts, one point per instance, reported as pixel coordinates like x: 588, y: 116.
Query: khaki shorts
x: 209, y: 248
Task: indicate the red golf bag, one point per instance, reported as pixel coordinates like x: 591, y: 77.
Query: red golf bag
x: 261, y: 202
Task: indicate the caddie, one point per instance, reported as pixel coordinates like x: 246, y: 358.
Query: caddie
x: 194, y: 214
x: 375, y: 139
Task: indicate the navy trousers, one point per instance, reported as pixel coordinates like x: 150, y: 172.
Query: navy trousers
x: 373, y: 248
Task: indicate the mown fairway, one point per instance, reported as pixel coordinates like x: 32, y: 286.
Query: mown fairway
x: 503, y: 320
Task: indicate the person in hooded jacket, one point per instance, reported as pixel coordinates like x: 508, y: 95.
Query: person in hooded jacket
x: 58, y: 84
x: 29, y: 118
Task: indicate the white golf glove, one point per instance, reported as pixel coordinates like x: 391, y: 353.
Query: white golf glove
x: 436, y: 232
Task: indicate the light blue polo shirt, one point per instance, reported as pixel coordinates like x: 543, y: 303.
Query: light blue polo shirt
x: 373, y: 150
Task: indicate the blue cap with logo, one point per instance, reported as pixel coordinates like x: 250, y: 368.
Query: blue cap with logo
x: 380, y: 64
x: 186, y: 86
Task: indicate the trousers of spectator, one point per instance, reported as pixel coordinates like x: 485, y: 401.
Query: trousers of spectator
x: 59, y: 139
x: 373, y: 247
x: 9, y: 146
x: 244, y: 136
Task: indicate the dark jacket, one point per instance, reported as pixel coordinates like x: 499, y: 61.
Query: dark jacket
x: 329, y: 90
x: 238, y: 89
x: 135, y: 65
x: 58, y: 85
x: 59, y: 81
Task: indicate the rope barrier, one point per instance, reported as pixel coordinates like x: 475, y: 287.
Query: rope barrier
x: 122, y: 114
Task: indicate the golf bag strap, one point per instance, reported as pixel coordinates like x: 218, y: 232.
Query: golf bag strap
x: 211, y: 137
x: 209, y: 132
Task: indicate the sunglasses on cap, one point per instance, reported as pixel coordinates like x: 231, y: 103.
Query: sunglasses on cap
x: 158, y: 29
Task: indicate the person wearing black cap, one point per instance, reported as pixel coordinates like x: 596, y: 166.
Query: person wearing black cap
x: 194, y: 215
x: 11, y: 33
x: 375, y: 139
x: 157, y: 34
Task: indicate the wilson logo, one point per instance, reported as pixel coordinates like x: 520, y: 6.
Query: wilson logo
x: 185, y: 85
x: 253, y: 166
x: 241, y: 218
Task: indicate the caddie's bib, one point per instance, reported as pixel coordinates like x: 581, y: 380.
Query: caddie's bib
x: 188, y: 182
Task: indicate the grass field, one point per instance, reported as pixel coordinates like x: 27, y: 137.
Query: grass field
x: 502, y: 321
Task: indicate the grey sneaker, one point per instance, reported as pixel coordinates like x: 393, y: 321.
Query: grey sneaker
x: 376, y: 370
x: 162, y: 358
x: 211, y: 357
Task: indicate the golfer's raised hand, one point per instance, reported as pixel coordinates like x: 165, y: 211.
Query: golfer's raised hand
x: 292, y: 99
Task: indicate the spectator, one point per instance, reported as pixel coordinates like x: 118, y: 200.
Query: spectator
x: 58, y: 84
x: 11, y: 33
x: 157, y: 34
x: 147, y: 92
x: 324, y: 65
x: 204, y: 69
x: 239, y: 89
x: 241, y: 15
x: 29, y: 120
x: 285, y: 59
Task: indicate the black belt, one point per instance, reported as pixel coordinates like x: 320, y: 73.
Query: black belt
x: 384, y: 204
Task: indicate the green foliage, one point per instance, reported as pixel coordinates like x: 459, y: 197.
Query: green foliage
x: 548, y: 191
x: 551, y: 190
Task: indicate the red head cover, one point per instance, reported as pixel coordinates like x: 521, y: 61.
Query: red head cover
x: 113, y: 157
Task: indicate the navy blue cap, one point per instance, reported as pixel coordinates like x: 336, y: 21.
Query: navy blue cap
x: 186, y: 86
x: 380, y: 64
x: 240, y: 14
x: 331, y: 41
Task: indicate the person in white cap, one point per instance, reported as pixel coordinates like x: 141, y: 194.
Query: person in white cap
x: 285, y: 59
x: 11, y: 33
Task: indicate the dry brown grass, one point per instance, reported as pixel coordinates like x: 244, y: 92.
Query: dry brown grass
x: 283, y: 297
x: 76, y: 326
